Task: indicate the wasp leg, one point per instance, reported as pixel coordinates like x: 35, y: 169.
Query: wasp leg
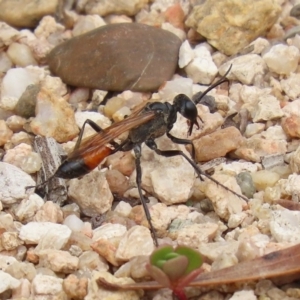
x: 137, y: 151
x: 169, y: 153
x: 182, y: 142
x: 96, y: 127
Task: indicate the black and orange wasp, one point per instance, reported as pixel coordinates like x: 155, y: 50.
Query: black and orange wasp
x: 144, y: 126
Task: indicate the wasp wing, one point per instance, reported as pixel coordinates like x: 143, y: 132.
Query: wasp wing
x: 102, y: 138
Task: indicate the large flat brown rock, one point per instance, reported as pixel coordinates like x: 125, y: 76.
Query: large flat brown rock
x: 117, y: 57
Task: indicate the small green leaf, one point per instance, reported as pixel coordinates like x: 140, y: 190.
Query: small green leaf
x: 174, y: 265
x: 160, y: 263
x: 171, y: 255
x: 193, y: 256
x: 160, y: 254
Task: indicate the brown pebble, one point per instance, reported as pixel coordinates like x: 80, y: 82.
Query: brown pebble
x: 106, y: 249
x: 117, y: 182
x: 32, y: 257
x: 75, y: 288
x: 217, y: 144
x: 291, y: 126
x: 289, y: 204
x: 117, y: 57
x: 137, y: 214
x: 121, y: 161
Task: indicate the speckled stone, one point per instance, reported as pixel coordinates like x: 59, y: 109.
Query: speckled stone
x: 25, y: 13
x: 230, y: 25
x: 117, y: 57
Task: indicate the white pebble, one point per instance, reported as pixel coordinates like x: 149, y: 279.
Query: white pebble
x: 186, y: 54
x: 291, y: 86
x: 123, y: 209
x: 6, y: 261
x: 236, y: 219
x: 178, y: 85
x: 22, y: 156
x: 46, y: 285
x: 21, y: 55
x: 7, y: 282
x: 92, y: 199
x: 285, y: 226
x: 245, y: 68
x: 28, y: 207
x: 79, y: 95
x: 136, y: 241
x: 23, y: 291
x: 5, y: 62
x: 274, y: 133
x: 259, y: 45
x: 7, y: 34
x: 292, y: 185
x: 254, y: 128
x: 109, y: 231
x: 58, y: 261
x: 47, y: 26
x: 268, y: 108
x: 177, y: 31
x: 54, y: 238
x: 243, y: 295
x: 21, y: 137
x: 32, y: 232
x: 87, y: 23
x: 15, y: 82
x: 121, y: 113
x: 12, y: 183
x: 82, y: 116
x: 264, y: 178
x: 292, y: 108
x: 73, y: 222
x: 282, y: 59
x: 202, y: 69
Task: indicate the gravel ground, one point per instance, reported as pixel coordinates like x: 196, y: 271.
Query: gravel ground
x: 64, y: 62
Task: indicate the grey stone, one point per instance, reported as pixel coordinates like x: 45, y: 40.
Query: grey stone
x: 26, y: 104
x: 246, y: 184
x: 117, y: 57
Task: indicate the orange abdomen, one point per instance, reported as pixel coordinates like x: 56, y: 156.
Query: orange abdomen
x: 74, y: 167
x: 94, y: 158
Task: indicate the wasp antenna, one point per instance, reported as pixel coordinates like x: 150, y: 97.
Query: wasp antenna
x: 220, y: 81
x: 227, y: 72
